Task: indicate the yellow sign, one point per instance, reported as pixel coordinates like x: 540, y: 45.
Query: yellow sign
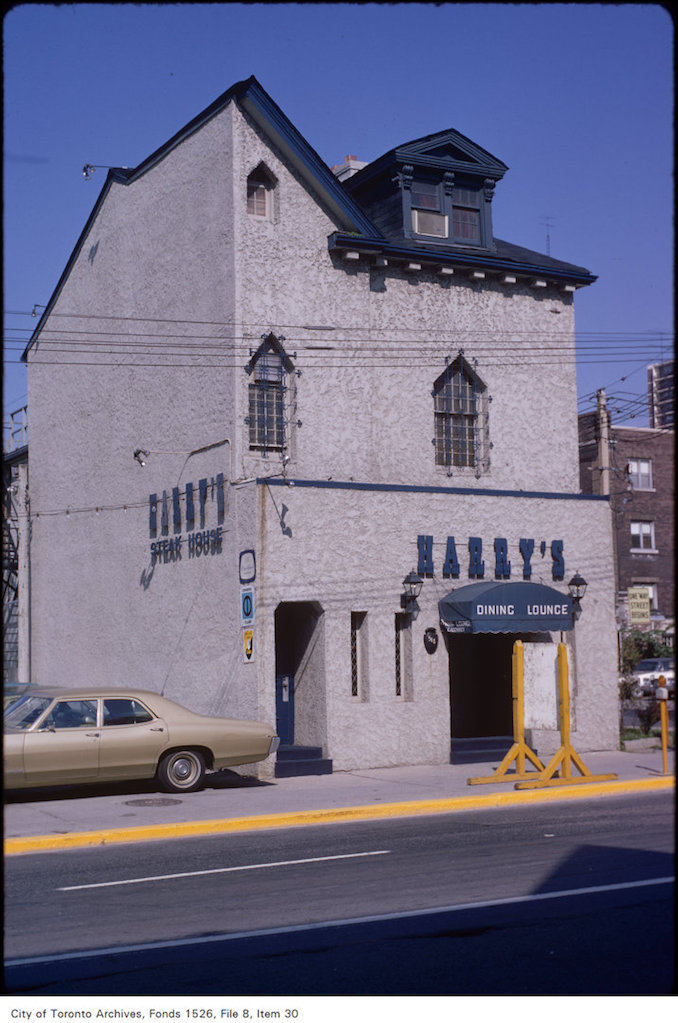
x: 639, y: 605
x: 248, y: 644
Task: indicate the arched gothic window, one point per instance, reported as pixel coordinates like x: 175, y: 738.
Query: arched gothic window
x: 460, y: 404
x: 269, y: 368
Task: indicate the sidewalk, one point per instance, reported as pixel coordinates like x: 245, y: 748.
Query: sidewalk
x: 69, y: 818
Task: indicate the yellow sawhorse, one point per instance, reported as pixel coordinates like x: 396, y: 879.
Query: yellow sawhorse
x: 520, y: 751
x: 566, y: 757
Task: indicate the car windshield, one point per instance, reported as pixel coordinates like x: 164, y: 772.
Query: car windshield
x: 649, y: 665
x: 26, y: 711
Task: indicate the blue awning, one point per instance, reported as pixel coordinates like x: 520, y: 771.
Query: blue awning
x: 506, y: 607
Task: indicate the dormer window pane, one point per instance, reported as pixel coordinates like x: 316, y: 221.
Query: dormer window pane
x: 434, y: 224
x: 465, y: 215
x: 427, y: 211
x: 425, y: 195
x: 466, y: 224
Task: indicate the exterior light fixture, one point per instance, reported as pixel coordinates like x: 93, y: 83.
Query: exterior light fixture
x: 141, y: 456
x: 577, y: 587
x: 89, y: 169
x: 412, y: 585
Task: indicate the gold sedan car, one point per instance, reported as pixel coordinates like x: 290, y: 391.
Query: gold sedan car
x: 73, y: 736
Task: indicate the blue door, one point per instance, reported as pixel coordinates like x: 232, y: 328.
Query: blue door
x: 284, y: 708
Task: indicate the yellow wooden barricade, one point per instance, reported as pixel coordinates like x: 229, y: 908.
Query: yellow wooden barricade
x: 566, y: 757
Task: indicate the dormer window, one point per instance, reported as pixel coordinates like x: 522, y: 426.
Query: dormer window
x: 446, y: 209
x: 435, y: 191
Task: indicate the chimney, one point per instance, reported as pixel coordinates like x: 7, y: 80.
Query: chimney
x: 348, y: 168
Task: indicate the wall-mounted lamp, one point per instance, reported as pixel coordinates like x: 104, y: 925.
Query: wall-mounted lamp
x: 412, y: 585
x: 89, y: 168
x: 577, y: 587
x: 141, y: 454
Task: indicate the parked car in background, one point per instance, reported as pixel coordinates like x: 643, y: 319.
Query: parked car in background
x: 67, y: 736
x: 646, y: 674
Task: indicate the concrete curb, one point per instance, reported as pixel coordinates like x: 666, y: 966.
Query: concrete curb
x: 115, y: 836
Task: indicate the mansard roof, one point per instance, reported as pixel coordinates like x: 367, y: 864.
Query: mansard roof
x: 505, y: 258
x: 445, y: 152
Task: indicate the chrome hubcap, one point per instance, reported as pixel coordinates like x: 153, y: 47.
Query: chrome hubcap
x: 183, y: 769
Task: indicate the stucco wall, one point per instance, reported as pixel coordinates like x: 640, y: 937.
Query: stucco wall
x: 138, y: 353
x: 364, y: 390
x: 175, y: 259
x: 357, y: 561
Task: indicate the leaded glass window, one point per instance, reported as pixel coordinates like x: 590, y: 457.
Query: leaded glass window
x: 460, y: 418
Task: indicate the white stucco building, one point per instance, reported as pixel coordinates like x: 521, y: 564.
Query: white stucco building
x: 330, y: 383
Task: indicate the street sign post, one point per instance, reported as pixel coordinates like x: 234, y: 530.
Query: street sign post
x: 639, y: 605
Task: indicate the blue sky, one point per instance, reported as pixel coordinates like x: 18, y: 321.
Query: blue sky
x: 576, y: 99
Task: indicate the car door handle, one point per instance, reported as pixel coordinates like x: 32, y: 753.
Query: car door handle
x: 156, y: 729
x: 93, y: 735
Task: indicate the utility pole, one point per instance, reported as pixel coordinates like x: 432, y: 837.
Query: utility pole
x: 603, y: 432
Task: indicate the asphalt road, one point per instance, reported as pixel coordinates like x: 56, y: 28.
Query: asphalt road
x: 549, y: 899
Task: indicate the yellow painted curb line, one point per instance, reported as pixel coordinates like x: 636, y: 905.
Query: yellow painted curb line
x: 114, y: 836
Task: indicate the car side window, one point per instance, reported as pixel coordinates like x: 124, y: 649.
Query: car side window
x: 125, y: 712
x: 72, y: 714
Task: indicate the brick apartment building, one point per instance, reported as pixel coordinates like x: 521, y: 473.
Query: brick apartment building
x: 635, y: 467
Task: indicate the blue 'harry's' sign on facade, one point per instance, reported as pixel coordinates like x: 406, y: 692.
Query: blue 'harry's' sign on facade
x: 188, y: 512
x: 476, y: 559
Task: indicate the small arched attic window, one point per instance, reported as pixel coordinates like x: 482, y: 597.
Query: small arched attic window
x: 260, y: 185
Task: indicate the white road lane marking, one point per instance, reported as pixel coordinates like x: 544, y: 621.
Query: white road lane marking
x: 221, y: 870
x: 205, y: 939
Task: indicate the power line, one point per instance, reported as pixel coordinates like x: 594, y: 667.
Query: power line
x: 662, y: 336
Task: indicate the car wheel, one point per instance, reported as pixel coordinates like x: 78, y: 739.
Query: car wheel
x: 182, y: 771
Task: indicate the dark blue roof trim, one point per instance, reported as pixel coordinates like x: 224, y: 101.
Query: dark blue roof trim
x: 268, y: 115
x: 553, y: 269
x: 406, y: 488
x: 259, y: 105
x: 420, y: 152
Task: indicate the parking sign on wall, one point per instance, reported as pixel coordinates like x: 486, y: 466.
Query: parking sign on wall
x: 248, y: 644
x: 247, y: 607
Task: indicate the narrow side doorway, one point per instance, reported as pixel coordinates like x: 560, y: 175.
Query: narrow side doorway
x: 300, y: 689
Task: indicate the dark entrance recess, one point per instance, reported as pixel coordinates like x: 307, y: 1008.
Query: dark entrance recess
x: 480, y: 696
x: 299, y: 699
